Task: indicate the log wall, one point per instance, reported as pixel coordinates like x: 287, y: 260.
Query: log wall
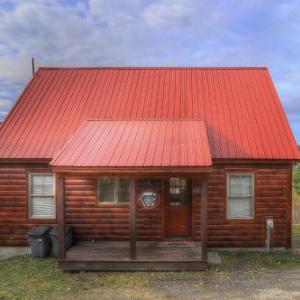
x: 272, y: 199
x: 110, y: 222
x: 94, y: 221
x: 14, y: 221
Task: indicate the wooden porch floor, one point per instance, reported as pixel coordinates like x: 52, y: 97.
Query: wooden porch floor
x: 166, y: 255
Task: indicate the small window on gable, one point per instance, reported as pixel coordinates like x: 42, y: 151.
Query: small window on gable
x: 240, y: 196
x: 114, y: 190
x: 42, y: 196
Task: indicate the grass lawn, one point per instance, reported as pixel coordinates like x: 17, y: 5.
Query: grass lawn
x: 296, y: 228
x: 26, y: 278
x: 296, y: 200
x: 296, y: 180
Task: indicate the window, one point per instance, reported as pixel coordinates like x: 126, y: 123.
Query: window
x: 42, y: 196
x: 114, y: 190
x: 240, y: 196
x: 177, y: 191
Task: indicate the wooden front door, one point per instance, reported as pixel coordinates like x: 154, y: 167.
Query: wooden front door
x: 178, y: 207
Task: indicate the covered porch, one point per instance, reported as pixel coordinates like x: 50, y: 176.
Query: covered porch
x: 175, y: 194
x: 174, y: 252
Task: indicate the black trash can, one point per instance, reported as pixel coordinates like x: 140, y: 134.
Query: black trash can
x: 39, y: 240
x: 54, y: 234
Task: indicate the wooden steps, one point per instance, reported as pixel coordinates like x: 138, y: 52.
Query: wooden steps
x: 133, y: 265
x: 151, y: 256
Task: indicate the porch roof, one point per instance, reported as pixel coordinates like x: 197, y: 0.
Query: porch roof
x: 134, y: 143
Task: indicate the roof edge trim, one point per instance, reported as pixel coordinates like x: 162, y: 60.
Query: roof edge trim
x: 154, y: 68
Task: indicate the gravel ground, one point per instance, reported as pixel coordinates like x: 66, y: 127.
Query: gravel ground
x: 269, y: 284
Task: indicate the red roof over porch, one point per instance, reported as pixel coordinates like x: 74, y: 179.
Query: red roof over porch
x: 137, y: 143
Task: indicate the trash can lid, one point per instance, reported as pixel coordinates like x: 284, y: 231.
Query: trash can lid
x: 55, y: 230
x: 38, y: 231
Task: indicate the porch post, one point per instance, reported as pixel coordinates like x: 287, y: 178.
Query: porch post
x: 204, y: 219
x: 60, y: 214
x: 132, y: 220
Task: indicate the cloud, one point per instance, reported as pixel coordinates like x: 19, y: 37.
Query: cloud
x: 151, y: 32
x: 4, y: 103
x: 167, y: 13
x: 5, y: 106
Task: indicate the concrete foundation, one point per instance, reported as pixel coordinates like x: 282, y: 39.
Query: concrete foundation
x: 8, y: 252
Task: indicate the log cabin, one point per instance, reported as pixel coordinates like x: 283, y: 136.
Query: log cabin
x: 148, y: 165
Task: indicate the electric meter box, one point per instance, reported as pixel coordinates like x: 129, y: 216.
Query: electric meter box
x: 270, y: 223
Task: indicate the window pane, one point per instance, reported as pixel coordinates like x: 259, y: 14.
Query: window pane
x: 234, y: 185
x: 106, y: 190
x: 240, y: 207
x: 124, y: 191
x: 246, y: 185
x: 177, y: 191
x: 42, y: 185
x: 42, y: 207
x: 36, y: 179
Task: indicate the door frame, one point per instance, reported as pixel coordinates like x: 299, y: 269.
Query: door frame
x: 166, y: 193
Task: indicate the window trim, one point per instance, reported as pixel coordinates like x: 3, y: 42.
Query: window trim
x: 252, y: 174
x: 116, y: 194
x: 41, y: 217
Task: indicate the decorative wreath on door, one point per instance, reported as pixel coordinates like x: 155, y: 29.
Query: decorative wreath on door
x: 148, y: 199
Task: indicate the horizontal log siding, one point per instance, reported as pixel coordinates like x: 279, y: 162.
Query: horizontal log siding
x: 89, y: 219
x: 149, y: 222
x: 14, y: 222
x: 93, y: 221
x: 272, y: 198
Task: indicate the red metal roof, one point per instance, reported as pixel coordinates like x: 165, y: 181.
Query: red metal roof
x: 137, y: 143
x: 243, y: 114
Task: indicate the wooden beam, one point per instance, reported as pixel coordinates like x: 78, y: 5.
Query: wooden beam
x: 204, y: 219
x: 60, y: 214
x: 135, y: 171
x: 136, y: 265
x: 132, y: 220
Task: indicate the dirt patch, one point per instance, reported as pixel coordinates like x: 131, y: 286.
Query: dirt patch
x: 272, y: 284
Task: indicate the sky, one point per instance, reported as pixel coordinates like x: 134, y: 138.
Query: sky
x: 151, y: 33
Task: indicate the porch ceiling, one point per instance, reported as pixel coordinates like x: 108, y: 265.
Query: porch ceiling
x: 152, y: 144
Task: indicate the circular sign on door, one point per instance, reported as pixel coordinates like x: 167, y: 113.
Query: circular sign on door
x: 149, y: 199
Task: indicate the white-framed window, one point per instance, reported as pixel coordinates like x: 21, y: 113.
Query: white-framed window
x: 113, y: 190
x: 42, y: 204
x: 240, y: 195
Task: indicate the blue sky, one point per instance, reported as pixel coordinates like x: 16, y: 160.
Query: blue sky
x: 152, y: 32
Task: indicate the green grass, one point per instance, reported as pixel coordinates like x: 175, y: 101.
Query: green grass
x: 258, y: 261
x: 26, y: 278
x: 296, y: 229
x: 296, y: 179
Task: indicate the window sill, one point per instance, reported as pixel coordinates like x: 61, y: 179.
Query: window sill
x: 240, y: 219
x: 113, y: 204
x: 50, y: 218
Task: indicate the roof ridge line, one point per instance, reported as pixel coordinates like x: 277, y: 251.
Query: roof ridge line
x: 154, y: 67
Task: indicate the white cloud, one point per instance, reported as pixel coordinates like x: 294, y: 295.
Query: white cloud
x: 4, y: 104
x: 168, y: 13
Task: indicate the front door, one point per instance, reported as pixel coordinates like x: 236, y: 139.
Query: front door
x: 178, y: 207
